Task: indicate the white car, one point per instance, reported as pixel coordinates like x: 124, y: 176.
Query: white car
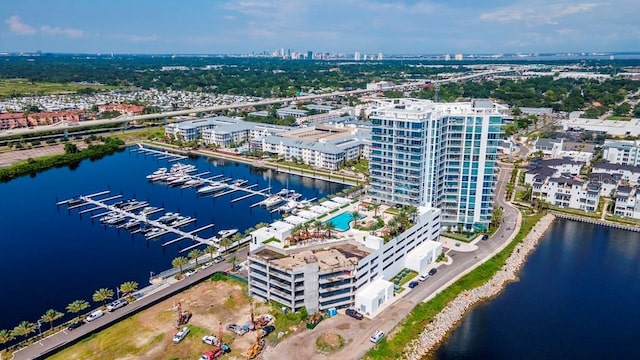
x: 180, y: 335
x: 379, y: 334
x: 211, y: 340
x: 117, y: 304
x: 94, y: 315
x: 206, y: 265
x: 190, y: 272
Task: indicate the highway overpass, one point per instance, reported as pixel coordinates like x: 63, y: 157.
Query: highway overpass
x: 125, y: 119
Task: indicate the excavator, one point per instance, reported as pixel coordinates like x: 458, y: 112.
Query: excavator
x: 256, y: 348
x: 219, y: 350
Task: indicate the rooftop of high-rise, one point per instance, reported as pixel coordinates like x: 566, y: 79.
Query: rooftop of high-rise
x: 409, y: 107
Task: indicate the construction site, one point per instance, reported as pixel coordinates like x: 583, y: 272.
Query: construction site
x: 212, y: 320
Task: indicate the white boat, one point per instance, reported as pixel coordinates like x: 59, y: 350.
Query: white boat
x: 168, y: 217
x: 157, y: 174
x: 147, y: 210
x: 272, y: 201
x: 239, y: 182
x: 303, y: 203
x: 131, y: 224
x: 179, y: 181
x: 288, y: 207
x: 226, y: 233
x: 192, y: 183
x: 213, y: 187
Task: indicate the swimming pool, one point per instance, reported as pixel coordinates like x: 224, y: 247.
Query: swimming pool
x: 341, y: 221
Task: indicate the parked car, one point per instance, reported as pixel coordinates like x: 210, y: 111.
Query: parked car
x: 94, y: 315
x: 190, y: 272
x: 423, y: 277
x: 433, y: 271
x: 413, y: 284
x: 206, y: 265
x: 485, y: 237
x: 218, y: 259
x: 236, y: 329
x: 379, y: 334
x: 180, y: 335
x: 354, y: 314
x: 211, y: 340
x: 117, y: 304
x: 75, y: 324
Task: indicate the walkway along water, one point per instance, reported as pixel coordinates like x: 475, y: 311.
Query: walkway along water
x: 445, y: 321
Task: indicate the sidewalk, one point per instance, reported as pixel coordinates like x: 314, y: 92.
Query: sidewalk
x: 458, y: 245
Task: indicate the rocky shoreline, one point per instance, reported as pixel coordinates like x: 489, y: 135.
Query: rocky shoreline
x: 442, y: 323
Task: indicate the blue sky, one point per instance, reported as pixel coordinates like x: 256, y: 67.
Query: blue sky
x: 337, y: 26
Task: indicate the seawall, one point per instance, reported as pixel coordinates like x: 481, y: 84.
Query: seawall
x: 453, y: 313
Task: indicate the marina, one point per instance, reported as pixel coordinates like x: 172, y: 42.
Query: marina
x: 122, y: 214
x: 284, y: 201
x: 68, y: 240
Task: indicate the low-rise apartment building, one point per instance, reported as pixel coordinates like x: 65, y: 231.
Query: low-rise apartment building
x: 352, y: 269
x: 623, y: 152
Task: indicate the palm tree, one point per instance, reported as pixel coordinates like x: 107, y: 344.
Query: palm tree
x: 236, y: 238
x: 306, y: 227
x: 128, y: 287
x: 295, y: 232
x: 375, y: 208
x: 211, y: 250
x: 356, y: 215
x: 392, y: 224
x: 102, y: 295
x: 195, y: 254
x: 329, y: 227
x: 318, y: 226
x: 24, y: 329
x: 5, y: 336
x: 179, y: 262
x: 233, y: 260
x: 77, y: 306
x: 50, y: 316
x: 226, y: 242
x: 412, y: 212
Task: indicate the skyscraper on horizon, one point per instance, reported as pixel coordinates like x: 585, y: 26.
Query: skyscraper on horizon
x: 437, y: 154
x: 356, y: 56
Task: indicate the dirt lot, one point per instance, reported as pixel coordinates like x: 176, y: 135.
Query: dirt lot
x: 148, y: 335
x: 9, y: 157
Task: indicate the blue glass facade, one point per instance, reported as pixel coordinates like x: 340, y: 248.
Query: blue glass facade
x: 433, y: 158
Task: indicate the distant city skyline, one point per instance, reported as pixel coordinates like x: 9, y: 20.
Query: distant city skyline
x: 345, y: 26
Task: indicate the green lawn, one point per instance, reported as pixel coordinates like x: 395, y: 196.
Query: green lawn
x: 411, y: 327
x: 22, y: 87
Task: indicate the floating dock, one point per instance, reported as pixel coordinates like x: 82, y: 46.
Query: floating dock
x: 94, y: 204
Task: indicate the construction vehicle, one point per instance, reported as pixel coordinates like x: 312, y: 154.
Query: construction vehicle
x: 263, y: 320
x: 220, y: 349
x: 256, y: 348
x: 314, y: 320
x: 183, y: 316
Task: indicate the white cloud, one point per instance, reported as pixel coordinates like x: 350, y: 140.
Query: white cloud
x: 55, y: 31
x: 17, y: 26
x: 543, y: 14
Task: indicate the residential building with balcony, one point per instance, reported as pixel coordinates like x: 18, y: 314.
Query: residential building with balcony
x: 627, y: 202
x: 437, y: 154
x: 352, y: 268
x: 623, y: 152
x: 221, y: 130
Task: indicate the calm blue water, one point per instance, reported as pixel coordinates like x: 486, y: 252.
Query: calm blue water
x: 578, y: 298
x: 341, y: 221
x: 50, y: 257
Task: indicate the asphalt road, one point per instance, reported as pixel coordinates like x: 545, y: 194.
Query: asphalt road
x: 298, y: 346
x: 386, y: 321
x: 65, y: 338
